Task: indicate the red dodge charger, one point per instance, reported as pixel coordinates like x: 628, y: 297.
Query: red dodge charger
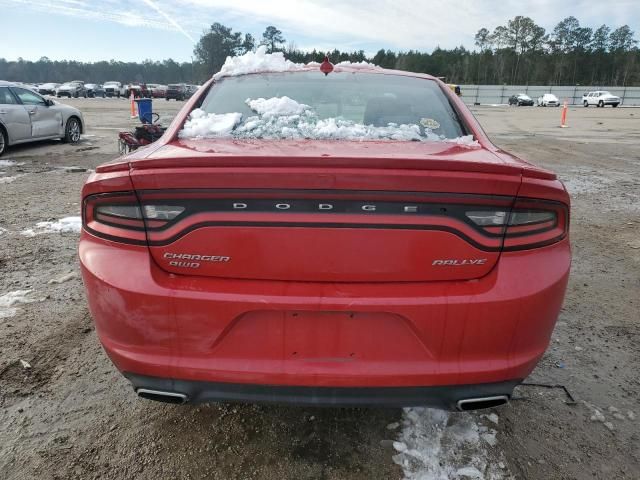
x: 325, y: 236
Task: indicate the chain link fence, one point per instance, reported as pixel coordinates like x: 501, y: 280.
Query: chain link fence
x: 499, y: 94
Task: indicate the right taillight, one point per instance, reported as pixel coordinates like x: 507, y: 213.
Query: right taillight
x: 530, y: 223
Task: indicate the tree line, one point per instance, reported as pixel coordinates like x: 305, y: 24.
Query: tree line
x: 520, y: 52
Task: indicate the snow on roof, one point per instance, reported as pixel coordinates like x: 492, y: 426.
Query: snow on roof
x: 358, y: 65
x: 258, y: 61
x: 261, y: 61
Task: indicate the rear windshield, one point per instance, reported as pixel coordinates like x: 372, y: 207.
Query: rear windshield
x: 337, y: 106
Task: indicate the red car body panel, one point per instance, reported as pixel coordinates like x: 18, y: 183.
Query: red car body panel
x: 314, y: 299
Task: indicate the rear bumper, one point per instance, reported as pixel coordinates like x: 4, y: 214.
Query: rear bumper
x: 323, y: 335
x: 446, y: 397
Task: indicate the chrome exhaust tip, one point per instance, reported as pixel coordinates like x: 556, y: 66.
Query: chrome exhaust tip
x: 480, y: 403
x: 162, y: 396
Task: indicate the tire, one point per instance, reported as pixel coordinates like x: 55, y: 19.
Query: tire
x: 601, y: 104
x: 614, y: 105
x: 72, y: 131
x: 585, y: 103
x: 4, y: 141
x: 167, y: 99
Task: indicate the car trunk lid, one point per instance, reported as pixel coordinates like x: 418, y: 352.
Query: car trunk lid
x: 323, y: 211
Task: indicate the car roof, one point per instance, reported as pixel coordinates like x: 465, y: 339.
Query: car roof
x: 4, y: 83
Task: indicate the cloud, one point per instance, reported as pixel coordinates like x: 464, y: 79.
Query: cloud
x: 350, y: 24
x: 169, y: 19
x: 409, y: 24
x: 106, y: 11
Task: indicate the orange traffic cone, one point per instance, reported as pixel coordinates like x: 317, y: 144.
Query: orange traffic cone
x: 134, y: 114
x: 563, y: 116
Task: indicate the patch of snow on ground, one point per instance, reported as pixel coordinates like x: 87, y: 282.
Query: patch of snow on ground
x: 258, y: 61
x: 207, y: 125
x: 438, y: 445
x: 9, y: 163
x: 10, y: 299
x: 581, y: 181
x: 3, y: 231
x: 64, y: 225
x: 9, y: 179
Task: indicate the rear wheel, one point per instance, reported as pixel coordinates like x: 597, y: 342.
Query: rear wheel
x: 601, y: 104
x: 72, y: 131
x: 3, y: 141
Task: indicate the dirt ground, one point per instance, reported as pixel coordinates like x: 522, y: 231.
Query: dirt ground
x: 71, y: 415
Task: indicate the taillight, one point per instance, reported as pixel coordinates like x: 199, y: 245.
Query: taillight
x: 531, y: 223
x: 118, y: 217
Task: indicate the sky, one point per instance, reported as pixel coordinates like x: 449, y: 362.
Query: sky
x: 134, y: 30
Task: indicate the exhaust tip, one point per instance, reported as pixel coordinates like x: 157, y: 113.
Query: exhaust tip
x: 162, y: 396
x: 480, y: 403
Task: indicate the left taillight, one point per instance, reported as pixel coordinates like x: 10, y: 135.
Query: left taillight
x: 114, y: 216
x: 119, y: 217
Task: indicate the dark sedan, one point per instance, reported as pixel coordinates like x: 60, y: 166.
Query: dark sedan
x: 521, y: 100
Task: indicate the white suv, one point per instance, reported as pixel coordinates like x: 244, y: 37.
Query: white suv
x: 600, y: 98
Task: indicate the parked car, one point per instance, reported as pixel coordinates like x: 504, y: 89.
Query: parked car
x: 157, y: 90
x: 139, y: 90
x: 350, y: 277
x: 191, y: 89
x: 48, y: 88
x: 73, y: 89
x: 521, y: 100
x: 26, y: 116
x: 548, y: 100
x: 177, y: 91
x: 114, y: 89
x: 600, y: 98
x: 95, y: 90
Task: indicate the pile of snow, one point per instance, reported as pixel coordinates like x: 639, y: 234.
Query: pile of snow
x: 466, y: 140
x: 209, y: 125
x: 437, y: 445
x: 64, y: 225
x: 258, y: 61
x: 284, y: 118
x: 357, y: 65
x: 277, y: 106
x: 8, y: 300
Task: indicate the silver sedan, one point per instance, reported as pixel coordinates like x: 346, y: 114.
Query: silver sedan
x: 26, y: 116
